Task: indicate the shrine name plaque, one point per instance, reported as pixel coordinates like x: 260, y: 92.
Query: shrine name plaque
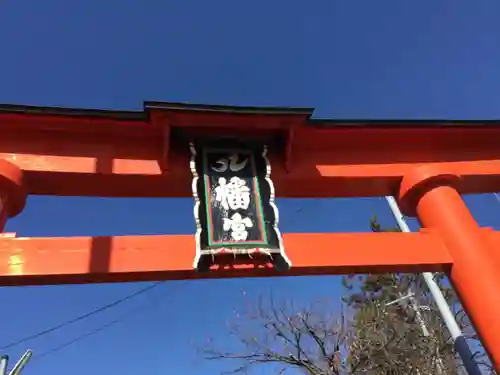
x: 235, y: 211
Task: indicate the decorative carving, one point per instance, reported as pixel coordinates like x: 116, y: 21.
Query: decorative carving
x: 235, y: 211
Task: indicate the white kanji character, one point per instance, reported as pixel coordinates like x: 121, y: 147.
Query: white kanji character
x: 238, y: 226
x: 232, y: 163
x: 234, y: 195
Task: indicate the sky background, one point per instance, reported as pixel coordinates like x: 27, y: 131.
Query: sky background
x: 348, y: 59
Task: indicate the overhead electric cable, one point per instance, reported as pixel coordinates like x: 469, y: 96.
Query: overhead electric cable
x: 82, y: 337
x: 87, y: 315
x: 81, y: 317
x: 102, y: 327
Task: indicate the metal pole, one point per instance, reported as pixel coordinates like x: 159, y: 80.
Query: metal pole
x: 19, y: 366
x: 4, y: 361
x: 459, y: 340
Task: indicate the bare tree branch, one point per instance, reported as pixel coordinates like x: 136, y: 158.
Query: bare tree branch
x: 309, y: 339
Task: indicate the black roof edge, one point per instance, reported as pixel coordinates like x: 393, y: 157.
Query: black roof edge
x: 148, y: 105
x: 317, y: 122
x: 104, y: 113
x: 228, y: 108
x: 325, y: 123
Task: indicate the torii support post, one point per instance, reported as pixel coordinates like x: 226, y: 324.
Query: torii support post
x: 146, y: 154
x: 432, y: 195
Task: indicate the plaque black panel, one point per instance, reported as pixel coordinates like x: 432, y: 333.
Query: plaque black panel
x: 235, y: 210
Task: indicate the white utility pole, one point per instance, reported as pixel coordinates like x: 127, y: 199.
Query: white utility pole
x: 18, y: 367
x: 4, y: 360
x: 459, y: 340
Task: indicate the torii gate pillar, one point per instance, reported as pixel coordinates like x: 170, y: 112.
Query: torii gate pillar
x: 475, y: 274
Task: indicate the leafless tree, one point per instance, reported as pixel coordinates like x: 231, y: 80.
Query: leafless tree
x: 309, y: 340
x: 372, y: 339
x: 315, y: 341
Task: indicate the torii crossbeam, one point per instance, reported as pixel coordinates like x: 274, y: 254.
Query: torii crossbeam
x: 153, y: 153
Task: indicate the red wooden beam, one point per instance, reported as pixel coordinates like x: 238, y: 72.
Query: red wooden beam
x: 117, y: 153
x: 29, y: 261
x: 114, y: 177
x: 111, y: 153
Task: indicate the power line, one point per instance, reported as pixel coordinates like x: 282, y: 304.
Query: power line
x: 82, y: 337
x: 81, y: 317
x: 91, y: 313
x: 99, y: 329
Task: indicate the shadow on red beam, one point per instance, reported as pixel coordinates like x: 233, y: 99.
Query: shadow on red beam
x: 75, y: 260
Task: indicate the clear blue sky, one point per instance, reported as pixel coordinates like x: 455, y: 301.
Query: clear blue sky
x: 348, y: 59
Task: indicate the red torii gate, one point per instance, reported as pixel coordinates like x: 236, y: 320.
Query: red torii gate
x: 70, y: 152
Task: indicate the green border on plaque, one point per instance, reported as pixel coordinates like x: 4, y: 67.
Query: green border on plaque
x: 257, y: 195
